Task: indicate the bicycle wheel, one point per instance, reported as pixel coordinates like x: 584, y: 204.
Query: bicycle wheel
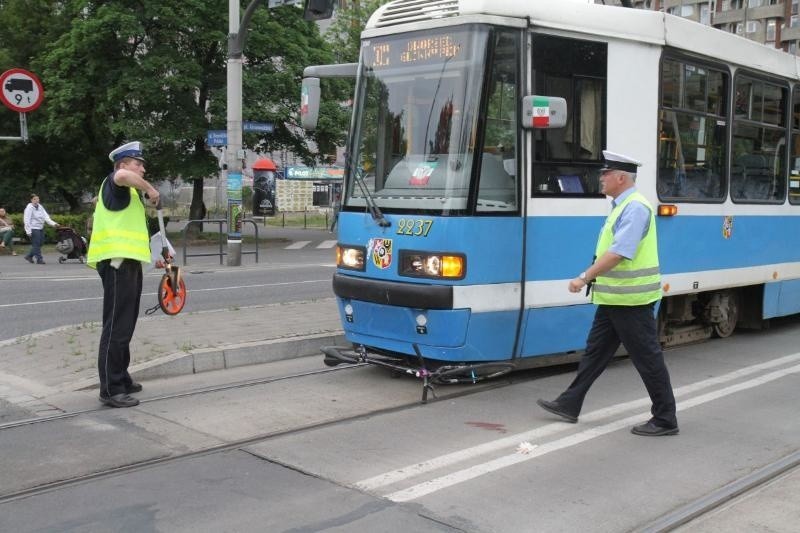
x: 470, y: 373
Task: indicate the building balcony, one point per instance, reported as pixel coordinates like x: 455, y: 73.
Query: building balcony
x: 753, y: 13
x: 790, y: 34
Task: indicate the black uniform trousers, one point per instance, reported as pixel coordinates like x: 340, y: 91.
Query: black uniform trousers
x: 635, y: 328
x: 122, y: 291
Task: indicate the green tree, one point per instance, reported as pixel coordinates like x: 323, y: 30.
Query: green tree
x: 344, y: 33
x: 154, y: 71
x: 26, y: 26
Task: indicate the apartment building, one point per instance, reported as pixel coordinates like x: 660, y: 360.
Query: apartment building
x: 774, y: 23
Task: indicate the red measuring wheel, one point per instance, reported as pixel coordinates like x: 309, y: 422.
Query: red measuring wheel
x: 171, y: 298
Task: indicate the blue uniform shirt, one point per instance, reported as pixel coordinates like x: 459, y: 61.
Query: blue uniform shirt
x: 631, y: 226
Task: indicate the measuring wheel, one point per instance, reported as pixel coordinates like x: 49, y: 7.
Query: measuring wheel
x: 171, y: 298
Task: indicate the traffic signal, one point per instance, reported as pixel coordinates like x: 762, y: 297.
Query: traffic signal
x: 318, y: 9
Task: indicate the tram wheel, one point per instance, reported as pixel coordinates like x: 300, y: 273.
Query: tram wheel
x: 729, y: 305
x: 470, y: 373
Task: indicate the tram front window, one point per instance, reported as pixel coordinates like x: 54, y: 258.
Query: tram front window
x: 415, y: 133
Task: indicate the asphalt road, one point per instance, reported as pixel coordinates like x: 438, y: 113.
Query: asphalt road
x: 354, y: 451
x: 41, y: 297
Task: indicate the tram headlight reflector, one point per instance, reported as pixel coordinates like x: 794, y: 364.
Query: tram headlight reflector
x: 350, y: 257
x: 348, y: 309
x: 432, y: 265
x: 422, y: 320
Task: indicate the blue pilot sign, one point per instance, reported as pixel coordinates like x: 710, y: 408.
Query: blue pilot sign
x: 216, y: 137
x: 20, y: 90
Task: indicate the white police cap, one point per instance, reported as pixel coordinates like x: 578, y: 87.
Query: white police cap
x: 131, y: 149
x: 615, y: 161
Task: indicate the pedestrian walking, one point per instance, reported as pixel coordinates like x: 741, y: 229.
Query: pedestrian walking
x: 6, y: 232
x: 120, y: 244
x: 625, y: 283
x: 35, y: 217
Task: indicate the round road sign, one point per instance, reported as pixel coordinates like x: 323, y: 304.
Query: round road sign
x: 20, y: 90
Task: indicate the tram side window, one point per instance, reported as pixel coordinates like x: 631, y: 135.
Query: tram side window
x: 758, y: 170
x: 692, y: 132
x: 794, y: 162
x: 497, y: 188
x: 566, y: 159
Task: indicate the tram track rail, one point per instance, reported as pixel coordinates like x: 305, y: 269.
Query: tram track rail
x: 729, y: 493
x: 52, y: 486
x: 182, y: 394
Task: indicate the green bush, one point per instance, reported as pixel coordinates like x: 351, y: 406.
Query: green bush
x: 74, y: 221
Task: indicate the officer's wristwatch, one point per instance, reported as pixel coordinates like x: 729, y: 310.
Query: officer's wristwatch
x: 582, y: 277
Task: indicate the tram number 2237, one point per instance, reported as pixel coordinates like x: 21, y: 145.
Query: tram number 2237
x: 416, y: 227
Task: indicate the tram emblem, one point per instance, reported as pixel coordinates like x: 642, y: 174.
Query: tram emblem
x: 381, y: 252
x: 422, y: 174
x: 727, y: 227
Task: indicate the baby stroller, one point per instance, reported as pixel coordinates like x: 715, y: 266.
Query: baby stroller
x: 70, y: 244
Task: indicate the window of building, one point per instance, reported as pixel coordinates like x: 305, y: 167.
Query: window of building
x: 771, y: 27
x: 566, y: 159
x: 682, y: 11
x: 753, y: 26
x: 755, y: 3
x: 794, y: 161
x: 739, y: 28
x: 692, y: 132
x: 705, y: 15
x: 758, y: 150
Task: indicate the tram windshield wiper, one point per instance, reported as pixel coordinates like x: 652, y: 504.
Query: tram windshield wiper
x: 373, y: 208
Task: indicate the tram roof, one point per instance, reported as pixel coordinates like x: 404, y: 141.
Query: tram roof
x: 581, y: 16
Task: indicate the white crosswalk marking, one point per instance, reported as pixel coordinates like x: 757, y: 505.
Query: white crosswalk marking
x: 327, y: 244
x: 297, y: 245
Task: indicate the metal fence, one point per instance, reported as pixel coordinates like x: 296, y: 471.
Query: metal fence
x: 221, y: 253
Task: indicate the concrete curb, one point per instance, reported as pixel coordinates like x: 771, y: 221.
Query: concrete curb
x: 228, y: 356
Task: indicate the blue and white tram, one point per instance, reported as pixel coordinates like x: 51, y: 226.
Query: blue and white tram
x: 472, y: 195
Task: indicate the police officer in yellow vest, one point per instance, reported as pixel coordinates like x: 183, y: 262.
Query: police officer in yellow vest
x: 625, y: 284
x: 120, y: 244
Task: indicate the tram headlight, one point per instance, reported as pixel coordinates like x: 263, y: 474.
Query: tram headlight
x: 350, y: 257
x: 432, y: 265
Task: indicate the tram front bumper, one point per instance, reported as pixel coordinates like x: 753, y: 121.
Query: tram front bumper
x: 396, y: 293
x: 392, y: 316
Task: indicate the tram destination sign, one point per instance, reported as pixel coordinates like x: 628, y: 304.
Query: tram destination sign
x: 419, y: 49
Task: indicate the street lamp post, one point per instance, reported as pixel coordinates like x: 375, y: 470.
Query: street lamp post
x: 234, y: 154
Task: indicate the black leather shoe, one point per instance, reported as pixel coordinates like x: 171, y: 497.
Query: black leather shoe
x: 29, y: 259
x: 650, y: 429
x: 119, y: 400
x: 133, y: 387
x: 556, y: 409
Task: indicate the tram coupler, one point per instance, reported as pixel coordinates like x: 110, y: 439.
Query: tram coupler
x: 336, y: 355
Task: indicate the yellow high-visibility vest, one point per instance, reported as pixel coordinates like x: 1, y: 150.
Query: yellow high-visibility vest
x: 119, y: 233
x: 635, y: 281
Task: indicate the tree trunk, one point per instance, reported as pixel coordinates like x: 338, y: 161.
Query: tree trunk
x: 71, y: 199
x: 197, y: 210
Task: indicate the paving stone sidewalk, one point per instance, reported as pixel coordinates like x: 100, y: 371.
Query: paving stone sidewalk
x: 65, y: 359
